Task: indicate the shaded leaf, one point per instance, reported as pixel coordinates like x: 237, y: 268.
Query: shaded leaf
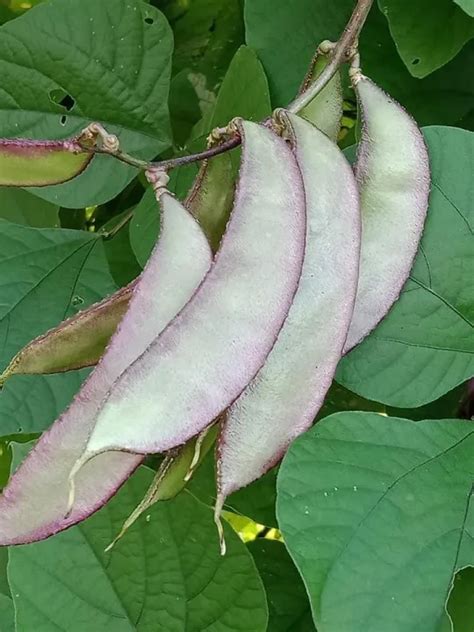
x: 427, y: 34
x: 207, y: 33
x: 66, y: 63
x: 425, y: 345
x: 257, y: 501
x: 7, y: 614
x: 123, y: 264
x: 460, y: 599
x: 167, y: 573
x: 389, y: 508
x: 20, y: 207
x: 288, y: 603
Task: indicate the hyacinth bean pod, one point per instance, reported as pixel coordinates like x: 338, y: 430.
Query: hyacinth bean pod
x: 33, y: 505
x: 214, y: 347
x: 75, y: 343
x: 326, y: 108
x: 210, y: 199
x: 284, y: 397
x: 39, y: 163
x: 393, y: 175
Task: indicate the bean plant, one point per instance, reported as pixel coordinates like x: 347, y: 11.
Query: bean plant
x: 236, y: 316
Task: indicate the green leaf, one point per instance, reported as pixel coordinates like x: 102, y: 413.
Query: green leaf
x: 467, y: 6
x: 207, y: 33
x: 461, y: 595
x: 166, y: 574
x: 378, y: 534
x: 425, y: 346
x: 7, y: 614
x: 20, y: 207
x: 45, y: 276
x: 287, y: 599
x: 244, y: 91
x: 123, y: 264
x: 104, y: 60
x: 145, y: 226
x: 30, y: 403
x: 442, y: 98
x: 427, y: 34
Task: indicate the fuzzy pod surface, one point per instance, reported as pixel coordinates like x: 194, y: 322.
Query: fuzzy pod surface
x: 393, y: 176
x: 286, y: 394
x: 207, y: 355
x: 34, y: 504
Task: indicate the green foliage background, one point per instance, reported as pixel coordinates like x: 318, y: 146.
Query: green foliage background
x: 374, y: 510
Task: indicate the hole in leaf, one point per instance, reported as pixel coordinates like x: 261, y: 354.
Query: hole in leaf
x: 63, y: 119
x: 62, y: 98
x: 415, y: 61
x: 212, y: 28
x: 149, y: 20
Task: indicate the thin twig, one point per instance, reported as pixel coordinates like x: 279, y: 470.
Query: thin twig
x: 171, y: 163
x: 340, y: 54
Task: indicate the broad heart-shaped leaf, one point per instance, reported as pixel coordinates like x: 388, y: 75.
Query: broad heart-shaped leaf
x: 467, y: 6
x: 46, y: 275
x: 112, y: 59
x: 442, y: 98
x: 20, y: 207
x: 376, y: 513
x: 429, y: 34
x: 425, y: 345
x: 167, y: 574
x: 288, y: 602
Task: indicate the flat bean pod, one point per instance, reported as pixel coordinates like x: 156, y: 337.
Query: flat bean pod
x: 214, y: 347
x: 38, y: 163
x: 284, y: 397
x: 393, y: 175
x: 33, y: 505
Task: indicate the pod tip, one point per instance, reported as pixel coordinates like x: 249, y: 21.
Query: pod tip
x: 219, y: 525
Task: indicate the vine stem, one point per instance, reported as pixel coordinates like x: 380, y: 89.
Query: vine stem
x: 342, y: 51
